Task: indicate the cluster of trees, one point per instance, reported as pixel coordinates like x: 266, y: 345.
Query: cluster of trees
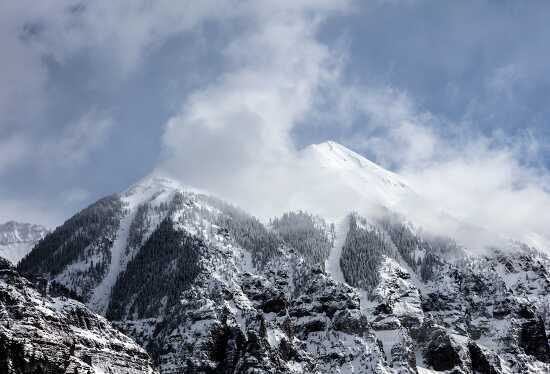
x: 165, y: 266
x: 421, y: 252
x: 310, y: 236
x: 407, y: 243
x: 142, y: 220
x: 246, y: 230
x: 56, y: 289
x: 362, y: 254
x: 428, y: 264
x: 253, y: 236
x: 90, y: 232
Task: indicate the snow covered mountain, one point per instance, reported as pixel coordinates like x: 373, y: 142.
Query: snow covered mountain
x: 17, y: 239
x: 205, y: 287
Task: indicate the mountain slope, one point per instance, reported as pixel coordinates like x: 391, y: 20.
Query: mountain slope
x: 44, y: 334
x: 206, y: 288
x: 17, y: 239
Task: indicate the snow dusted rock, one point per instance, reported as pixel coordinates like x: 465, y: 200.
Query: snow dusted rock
x: 41, y: 334
x: 398, y: 302
x: 468, y: 315
x: 206, y: 288
x: 326, y: 317
x: 473, y: 301
x: 17, y: 239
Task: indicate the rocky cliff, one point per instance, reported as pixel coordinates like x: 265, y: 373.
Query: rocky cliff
x: 44, y: 334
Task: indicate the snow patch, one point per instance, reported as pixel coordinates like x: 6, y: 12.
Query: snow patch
x: 332, y: 265
x: 99, y: 300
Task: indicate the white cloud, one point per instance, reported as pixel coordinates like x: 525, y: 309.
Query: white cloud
x: 116, y: 35
x: 487, y: 182
x: 233, y: 136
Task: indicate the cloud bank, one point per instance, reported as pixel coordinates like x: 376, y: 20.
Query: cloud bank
x: 234, y: 138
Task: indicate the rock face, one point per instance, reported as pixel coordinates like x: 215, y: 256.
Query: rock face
x: 41, y: 334
x: 17, y: 239
x: 206, y: 288
x: 472, y: 316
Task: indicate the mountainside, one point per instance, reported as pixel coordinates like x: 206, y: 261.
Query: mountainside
x: 17, y: 239
x: 44, y: 334
x: 206, y: 288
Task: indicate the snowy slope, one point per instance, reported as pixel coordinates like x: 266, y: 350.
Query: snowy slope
x: 151, y: 190
x: 332, y: 264
x: 17, y: 239
x: 356, y: 173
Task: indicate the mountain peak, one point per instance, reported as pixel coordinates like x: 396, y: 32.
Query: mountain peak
x: 17, y: 239
x: 354, y: 172
x: 339, y: 155
x: 18, y: 232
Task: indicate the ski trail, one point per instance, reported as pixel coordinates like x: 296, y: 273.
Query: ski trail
x: 332, y: 264
x: 99, y: 301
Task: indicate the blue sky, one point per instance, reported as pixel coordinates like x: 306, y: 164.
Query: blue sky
x: 93, y: 97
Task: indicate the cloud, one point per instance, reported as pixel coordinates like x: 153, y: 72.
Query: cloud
x: 115, y: 37
x: 232, y: 137
x: 78, y: 140
x: 483, y: 184
x: 489, y: 183
x: 76, y: 195
x: 29, y: 210
x: 70, y: 148
x: 14, y: 148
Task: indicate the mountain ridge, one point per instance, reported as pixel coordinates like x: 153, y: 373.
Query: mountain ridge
x: 17, y: 239
x: 205, y: 287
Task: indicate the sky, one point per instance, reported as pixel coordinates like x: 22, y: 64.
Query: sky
x: 222, y: 95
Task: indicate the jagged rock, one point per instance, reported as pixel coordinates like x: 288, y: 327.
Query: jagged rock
x: 533, y: 339
x: 483, y: 362
x: 443, y: 353
x: 403, y: 355
x: 41, y: 334
x: 352, y: 322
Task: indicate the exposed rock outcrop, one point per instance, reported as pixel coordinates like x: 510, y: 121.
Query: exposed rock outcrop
x: 41, y: 334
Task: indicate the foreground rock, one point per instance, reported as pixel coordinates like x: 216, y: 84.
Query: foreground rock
x: 42, y: 334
